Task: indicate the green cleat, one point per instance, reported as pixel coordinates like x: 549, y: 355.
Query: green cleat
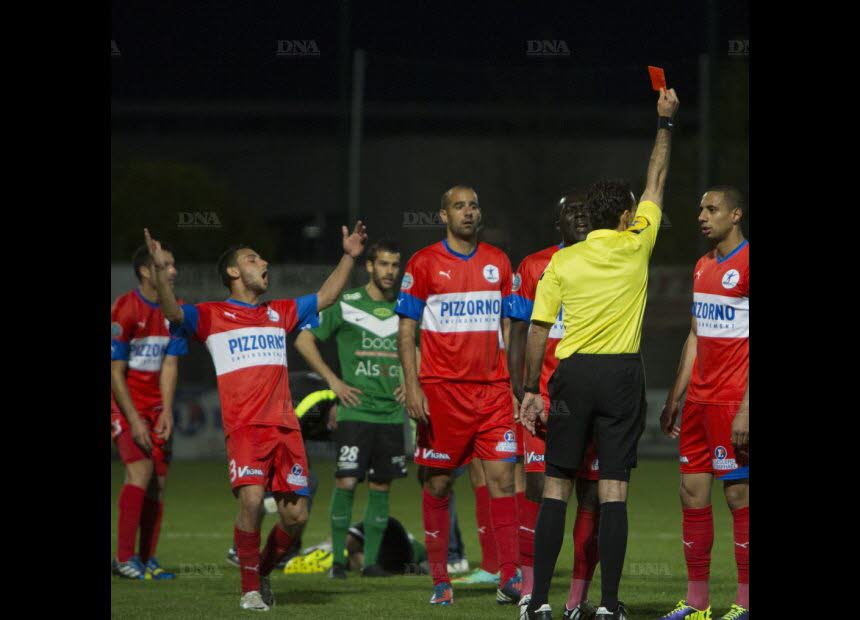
x: 479, y: 575
x: 736, y: 613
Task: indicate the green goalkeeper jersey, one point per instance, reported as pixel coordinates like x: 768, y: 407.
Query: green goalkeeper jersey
x: 366, y: 335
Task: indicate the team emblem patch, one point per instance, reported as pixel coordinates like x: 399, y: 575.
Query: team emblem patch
x: 274, y: 317
x: 407, y: 282
x: 720, y: 452
x: 115, y: 330
x: 731, y: 278
x: 491, y: 273
x: 517, y: 283
x: 297, y: 476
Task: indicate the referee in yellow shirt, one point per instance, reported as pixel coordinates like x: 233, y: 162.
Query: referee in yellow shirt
x: 598, y: 388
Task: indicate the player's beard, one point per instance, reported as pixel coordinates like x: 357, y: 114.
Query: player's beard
x: 388, y: 291
x: 467, y: 233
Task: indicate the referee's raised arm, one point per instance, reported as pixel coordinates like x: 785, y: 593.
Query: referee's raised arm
x: 658, y: 166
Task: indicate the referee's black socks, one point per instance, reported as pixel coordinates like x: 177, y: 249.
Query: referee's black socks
x: 612, y: 542
x: 549, y: 534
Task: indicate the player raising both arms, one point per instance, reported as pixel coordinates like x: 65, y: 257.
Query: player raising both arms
x: 714, y: 431
x: 143, y: 374
x: 573, y: 223
x: 246, y: 338
x: 459, y: 290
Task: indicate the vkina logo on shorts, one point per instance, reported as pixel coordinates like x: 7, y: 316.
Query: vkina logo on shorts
x: 246, y: 470
x: 534, y: 457
x: 429, y: 453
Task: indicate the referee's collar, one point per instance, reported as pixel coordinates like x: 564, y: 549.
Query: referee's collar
x: 601, y: 232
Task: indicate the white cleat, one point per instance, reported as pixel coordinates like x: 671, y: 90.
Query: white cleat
x: 253, y: 601
x: 524, y: 604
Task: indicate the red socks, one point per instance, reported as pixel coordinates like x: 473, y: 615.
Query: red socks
x: 437, y: 527
x: 489, y: 554
x: 150, y: 526
x: 130, y: 507
x: 528, y: 511
x: 698, y: 538
x: 504, y: 518
x: 741, y: 518
x: 276, y: 547
x: 585, y: 555
x: 248, y: 549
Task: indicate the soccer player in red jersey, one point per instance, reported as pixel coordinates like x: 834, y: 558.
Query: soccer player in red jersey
x: 572, y: 221
x: 459, y: 290
x: 246, y: 338
x: 143, y: 372
x: 714, y: 430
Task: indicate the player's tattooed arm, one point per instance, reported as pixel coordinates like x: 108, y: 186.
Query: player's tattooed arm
x: 658, y: 165
x: 166, y: 299
x: 353, y: 246
x: 306, y: 345
x: 672, y: 408
x: 533, y: 406
x: 416, y: 401
x: 119, y: 387
x: 167, y: 380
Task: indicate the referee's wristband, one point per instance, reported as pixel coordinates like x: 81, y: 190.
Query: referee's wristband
x: 664, y: 122
x: 531, y: 389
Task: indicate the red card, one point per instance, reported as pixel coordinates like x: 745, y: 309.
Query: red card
x: 658, y: 78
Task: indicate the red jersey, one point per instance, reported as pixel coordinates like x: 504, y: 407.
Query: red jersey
x: 248, y: 345
x: 721, y: 307
x: 459, y: 300
x: 139, y: 335
x: 525, y: 283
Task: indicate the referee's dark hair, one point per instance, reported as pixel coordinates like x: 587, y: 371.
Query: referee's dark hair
x: 733, y: 196
x: 141, y: 258
x: 383, y: 245
x: 607, y: 200
x: 228, y: 259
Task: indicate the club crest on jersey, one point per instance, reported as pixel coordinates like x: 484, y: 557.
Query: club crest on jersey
x: 115, y: 330
x: 731, y: 278
x: 509, y: 444
x: 297, y: 476
x: 720, y: 462
x: 491, y: 273
x: 274, y: 317
x: 518, y: 280
x: 407, y: 282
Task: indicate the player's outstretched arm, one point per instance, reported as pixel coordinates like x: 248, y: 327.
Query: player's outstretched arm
x: 533, y: 406
x: 166, y: 299
x: 167, y: 381
x: 672, y: 408
x: 658, y: 166
x: 119, y: 387
x: 416, y: 401
x: 306, y: 345
x: 353, y: 246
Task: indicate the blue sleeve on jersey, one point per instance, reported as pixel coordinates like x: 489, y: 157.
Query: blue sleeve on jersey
x: 306, y: 311
x: 119, y: 350
x: 517, y: 307
x: 177, y: 346
x: 409, y: 306
x: 190, y: 319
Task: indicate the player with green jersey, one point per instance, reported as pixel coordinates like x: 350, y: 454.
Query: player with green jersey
x: 369, y: 432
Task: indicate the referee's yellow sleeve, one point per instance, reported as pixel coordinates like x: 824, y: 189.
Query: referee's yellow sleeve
x: 646, y: 223
x: 547, y: 296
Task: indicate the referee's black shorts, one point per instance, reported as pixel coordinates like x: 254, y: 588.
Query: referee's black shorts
x: 600, y: 396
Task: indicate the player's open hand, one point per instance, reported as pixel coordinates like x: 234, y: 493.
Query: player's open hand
x: 669, y: 418
x: 331, y: 424
x: 741, y: 429
x: 164, y: 425
x: 400, y: 394
x: 516, y: 407
x: 347, y: 394
x: 159, y: 257
x: 532, y: 409
x: 140, y: 434
x: 416, y: 405
x: 354, y: 244
x: 668, y: 103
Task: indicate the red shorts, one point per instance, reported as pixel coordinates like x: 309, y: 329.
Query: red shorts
x: 520, y: 431
x: 534, y: 449
x: 467, y: 420
x: 129, y: 451
x: 706, y: 442
x: 269, y: 456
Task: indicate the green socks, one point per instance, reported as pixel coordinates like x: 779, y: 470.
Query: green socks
x: 341, y: 514
x: 375, y: 522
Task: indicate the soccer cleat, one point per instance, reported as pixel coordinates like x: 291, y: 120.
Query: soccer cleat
x: 233, y: 557
x: 544, y: 613
x: 337, y: 571
x: 154, y: 571
x: 133, y: 568
x: 458, y: 567
x: 316, y: 561
x: 479, y: 575
x: 509, y: 594
x: 736, y: 613
x: 683, y: 611
x: 374, y: 570
x: 443, y: 594
x: 253, y: 601
x: 266, y: 590
x: 604, y: 614
x: 583, y: 611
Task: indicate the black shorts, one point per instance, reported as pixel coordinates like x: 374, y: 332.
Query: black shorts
x: 599, y: 396
x: 368, y: 449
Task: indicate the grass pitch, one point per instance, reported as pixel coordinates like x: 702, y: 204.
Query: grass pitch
x: 197, y: 530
